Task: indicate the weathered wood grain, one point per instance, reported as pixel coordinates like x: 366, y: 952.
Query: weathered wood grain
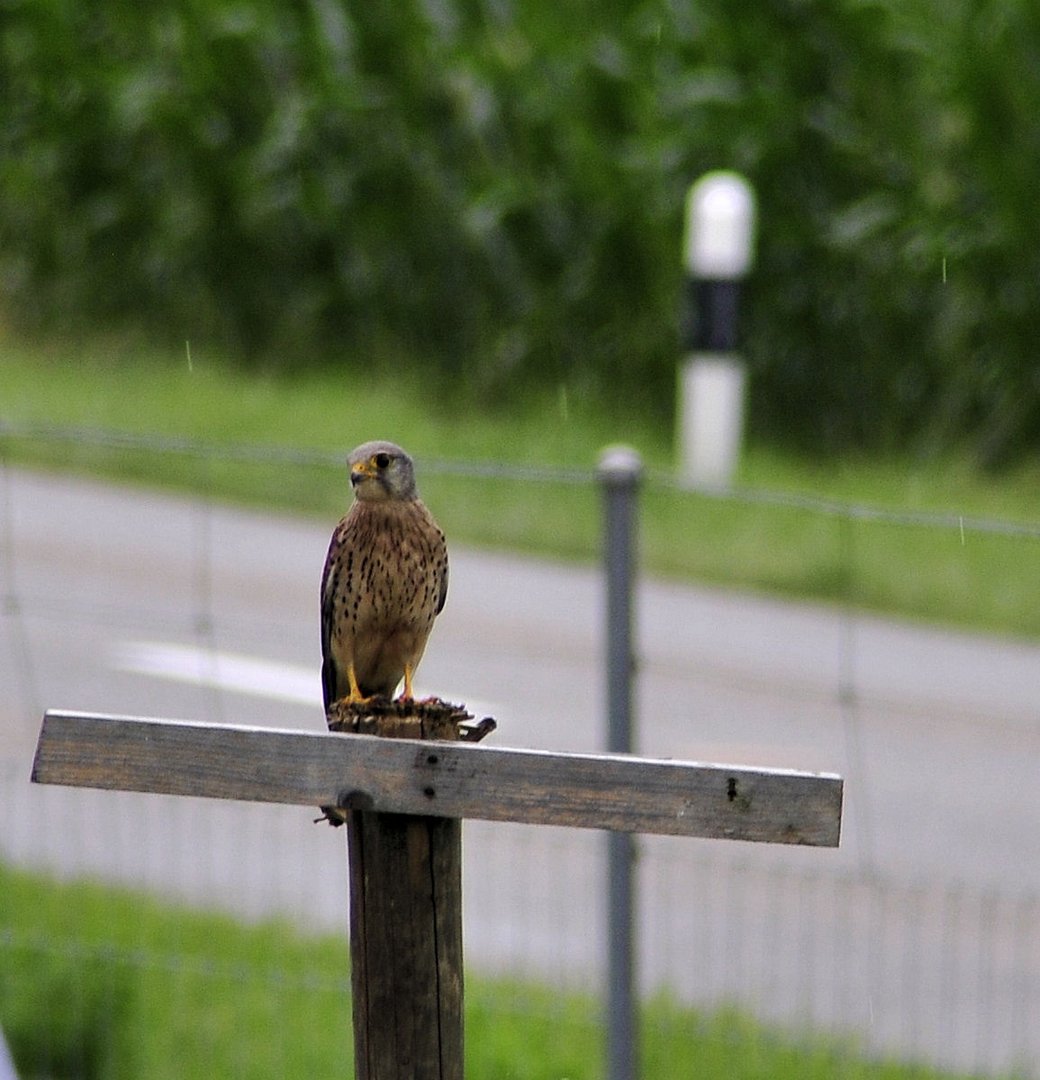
x: 406, y: 938
x: 443, y: 779
x: 406, y: 946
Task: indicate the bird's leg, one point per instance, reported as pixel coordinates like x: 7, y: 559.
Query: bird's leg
x: 406, y: 693
x: 355, y: 696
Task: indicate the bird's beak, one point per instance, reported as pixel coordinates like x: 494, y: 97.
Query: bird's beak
x: 363, y: 470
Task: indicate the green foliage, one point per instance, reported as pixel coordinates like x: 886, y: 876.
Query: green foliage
x: 494, y: 191
x: 100, y: 983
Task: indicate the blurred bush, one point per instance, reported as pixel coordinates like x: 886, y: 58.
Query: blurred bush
x: 494, y: 189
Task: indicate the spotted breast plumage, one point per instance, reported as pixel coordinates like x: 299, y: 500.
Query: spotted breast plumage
x: 384, y: 583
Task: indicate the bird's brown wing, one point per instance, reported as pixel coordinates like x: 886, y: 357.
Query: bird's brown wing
x: 330, y: 674
x: 443, y: 595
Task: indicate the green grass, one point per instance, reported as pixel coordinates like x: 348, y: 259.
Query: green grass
x: 952, y: 575
x: 100, y: 982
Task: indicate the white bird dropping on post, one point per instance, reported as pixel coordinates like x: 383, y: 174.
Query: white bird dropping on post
x: 717, y: 252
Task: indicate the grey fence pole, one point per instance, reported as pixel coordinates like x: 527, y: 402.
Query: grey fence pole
x: 620, y: 473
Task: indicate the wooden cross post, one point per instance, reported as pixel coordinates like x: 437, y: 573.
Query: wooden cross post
x: 404, y: 799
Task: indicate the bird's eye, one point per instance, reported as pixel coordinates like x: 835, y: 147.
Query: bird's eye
x: 382, y: 460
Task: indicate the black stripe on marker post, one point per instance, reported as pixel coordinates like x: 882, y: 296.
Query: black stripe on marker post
x: 712, y: 315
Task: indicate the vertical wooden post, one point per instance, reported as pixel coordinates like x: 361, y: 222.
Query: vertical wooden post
x: 406, y: 931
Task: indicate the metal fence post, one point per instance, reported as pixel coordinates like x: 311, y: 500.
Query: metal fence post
x: 620, y: 473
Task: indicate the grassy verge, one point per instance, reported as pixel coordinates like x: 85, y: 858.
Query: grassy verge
x: 98, y: 982
x: 953, y: 574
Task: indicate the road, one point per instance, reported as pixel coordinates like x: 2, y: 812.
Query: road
x: 123, y: 601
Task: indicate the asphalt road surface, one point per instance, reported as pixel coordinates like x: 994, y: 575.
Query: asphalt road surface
x: 918, y: 934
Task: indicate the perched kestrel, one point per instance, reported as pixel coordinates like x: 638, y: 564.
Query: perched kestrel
x: 385, y: 580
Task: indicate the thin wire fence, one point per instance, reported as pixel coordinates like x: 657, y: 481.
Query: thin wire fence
x: 244, y: 453
x: 173, y: 607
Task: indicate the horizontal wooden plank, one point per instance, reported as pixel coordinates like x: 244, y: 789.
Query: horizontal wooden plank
x: 443, y: 779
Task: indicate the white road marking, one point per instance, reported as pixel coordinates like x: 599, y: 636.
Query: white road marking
x: 221, y: 670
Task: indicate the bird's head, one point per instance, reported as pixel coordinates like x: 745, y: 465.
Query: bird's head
x: 380, y: 471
